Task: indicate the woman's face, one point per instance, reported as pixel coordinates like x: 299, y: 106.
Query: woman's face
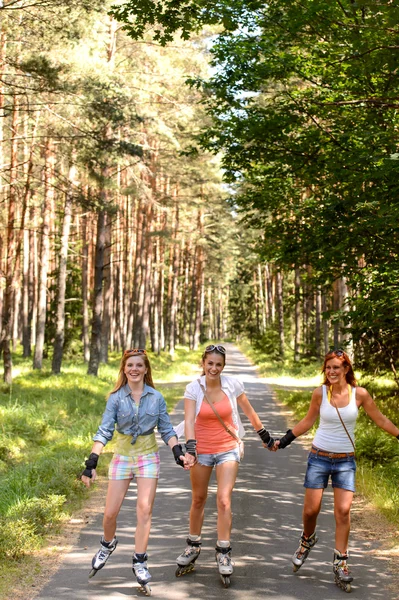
x: 335, y: 370
x: 213, y: 365
x: 135, y: 369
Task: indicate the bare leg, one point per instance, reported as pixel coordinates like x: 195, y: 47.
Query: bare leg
x: 311, y: 509
x: 146, y: 488
x: 226, y: 475
x: 342, y: 505
x: 115, y: 496
x: 200, y: 477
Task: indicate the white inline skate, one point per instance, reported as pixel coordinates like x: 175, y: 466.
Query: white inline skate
x: 225, y: 564
x: 305, y: 546
x: 185, y: 562
x: 141, y: 572
x: 343, y: 578
x: 102, y: 555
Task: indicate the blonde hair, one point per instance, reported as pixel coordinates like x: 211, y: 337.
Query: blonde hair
x: 122, y: 379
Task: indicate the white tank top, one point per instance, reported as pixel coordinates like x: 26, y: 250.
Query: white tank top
x: 330, y: 434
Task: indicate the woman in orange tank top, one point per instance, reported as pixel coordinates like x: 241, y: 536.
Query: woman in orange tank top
x: 213, y: 441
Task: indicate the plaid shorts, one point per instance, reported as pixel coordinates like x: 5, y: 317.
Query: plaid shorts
x: 127, y: 467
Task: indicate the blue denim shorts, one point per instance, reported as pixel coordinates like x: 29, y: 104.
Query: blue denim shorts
x: 320, y: 468
x: 213, y: 460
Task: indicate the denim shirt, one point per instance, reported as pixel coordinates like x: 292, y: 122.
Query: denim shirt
x: 122, y: 412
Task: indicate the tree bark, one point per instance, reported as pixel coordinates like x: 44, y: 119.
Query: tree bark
x: 95, y: 341
x: 280, y: 312
x: 297, y: 315
x: 62, y: 276
x: 44, y: 254
x: 85, y: 290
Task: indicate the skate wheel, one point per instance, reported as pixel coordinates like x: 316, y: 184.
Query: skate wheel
x: 146, y: 589
x: 92, y: 573
x: 180, y: 571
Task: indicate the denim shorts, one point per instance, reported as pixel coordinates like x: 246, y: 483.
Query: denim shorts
x: 213, y: 460
x: 128, y: 467
x: 320, y: 468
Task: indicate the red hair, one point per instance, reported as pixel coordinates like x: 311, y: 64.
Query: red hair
x: 346, y: 361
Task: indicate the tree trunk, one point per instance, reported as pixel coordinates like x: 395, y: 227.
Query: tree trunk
x: 280, y: 312
x: 44, y: 255
x: 270, y: 299
x: 174, y: 271
x: 325, y: 324
x: 62, y: 277
x: 95, y: 342
x: 85, y: 290
x: 107, y: 292
x: 297, y: 317
x: 336, y: 306
x: 261, y: 300
x: 318, y: 324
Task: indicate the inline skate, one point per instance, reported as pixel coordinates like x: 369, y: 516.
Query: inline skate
x: 185, y: 562
x: 102, y: 555
x: 343, y: 578
x: 224, y: 563
x: 305, y: 546
x: 141, y: 572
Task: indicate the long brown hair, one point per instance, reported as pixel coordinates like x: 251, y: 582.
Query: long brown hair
x: 346, y: 361
x: 122, y: 379
x: 212, y: 349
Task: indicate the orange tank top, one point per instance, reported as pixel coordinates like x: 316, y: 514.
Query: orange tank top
x: 211, y: 436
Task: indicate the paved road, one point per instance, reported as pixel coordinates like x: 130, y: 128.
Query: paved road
x: 267, y: 504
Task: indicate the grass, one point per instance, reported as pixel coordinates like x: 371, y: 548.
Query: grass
x: 377, y: 453
x: 46, y: 426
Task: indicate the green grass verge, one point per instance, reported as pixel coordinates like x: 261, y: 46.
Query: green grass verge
x: 46, y: 426
x: 377, y: 452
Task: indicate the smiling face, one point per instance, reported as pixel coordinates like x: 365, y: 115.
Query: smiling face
x: 213, y: 365
x: 135, y: 369
x: 335, y: 371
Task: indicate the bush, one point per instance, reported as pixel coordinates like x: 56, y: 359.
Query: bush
x: 17, y: 538
x: 41, y: 513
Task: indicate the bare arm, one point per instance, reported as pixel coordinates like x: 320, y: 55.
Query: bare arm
x: 189, y: 427
x: 305, y: 424
x: 374, y: 413
x: 311, y: 416
x: 252, y: 415
x: 249, y: 412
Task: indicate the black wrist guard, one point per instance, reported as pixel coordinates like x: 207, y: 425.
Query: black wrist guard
x: 287, y: 439
x: 265, y: 437
x: 191, y: 447
x: 91, y: 463
x: 177, y: 453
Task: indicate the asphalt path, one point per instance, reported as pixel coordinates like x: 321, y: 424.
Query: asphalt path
x: 267, y: 506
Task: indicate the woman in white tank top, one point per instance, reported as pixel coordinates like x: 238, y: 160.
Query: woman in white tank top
x: 336, y: 402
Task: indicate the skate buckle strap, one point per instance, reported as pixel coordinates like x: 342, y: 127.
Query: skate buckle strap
x: 315, y: 450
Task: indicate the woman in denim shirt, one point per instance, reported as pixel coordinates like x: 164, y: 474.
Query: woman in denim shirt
x: 134, y: 408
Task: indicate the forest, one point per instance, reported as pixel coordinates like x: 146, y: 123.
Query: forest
x: 178, y: 171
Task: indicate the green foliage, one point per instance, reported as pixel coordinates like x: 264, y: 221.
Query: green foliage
x: 41, y: 513
x: 17, y: 537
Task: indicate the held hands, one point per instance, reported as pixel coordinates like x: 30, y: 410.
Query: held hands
x: 268, y: 441
x: 284, y: 441
x: 183, y: 460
